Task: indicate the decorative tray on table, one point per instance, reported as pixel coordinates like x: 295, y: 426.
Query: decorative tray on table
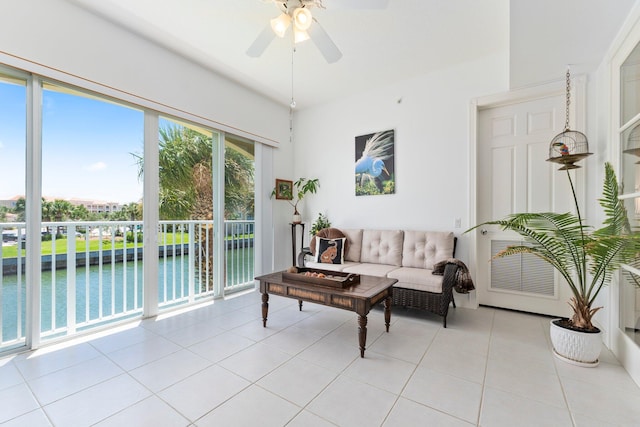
x: 334, y: 279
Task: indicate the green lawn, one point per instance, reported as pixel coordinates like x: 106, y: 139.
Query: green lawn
x: 94, y: 244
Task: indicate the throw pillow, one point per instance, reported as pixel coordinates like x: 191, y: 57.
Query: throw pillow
x: 330, y: 251
x: 327, y: 233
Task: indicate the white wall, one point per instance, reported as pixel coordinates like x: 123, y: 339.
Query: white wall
x: 67, y: 38
x: 546, y: 35
x: 431, y: 117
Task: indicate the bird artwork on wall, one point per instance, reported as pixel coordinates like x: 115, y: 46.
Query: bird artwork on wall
x: 375, y: 172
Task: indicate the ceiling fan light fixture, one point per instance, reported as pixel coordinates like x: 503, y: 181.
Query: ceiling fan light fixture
x: 299, y: 36
x: 302, y: 18
x: 280, y: 24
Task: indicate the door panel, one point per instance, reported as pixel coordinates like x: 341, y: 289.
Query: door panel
x: 514, y: 176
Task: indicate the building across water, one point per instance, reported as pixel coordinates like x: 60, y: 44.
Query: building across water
x: 93, y: 206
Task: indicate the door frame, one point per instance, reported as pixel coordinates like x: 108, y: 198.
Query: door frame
x: 577, y: 114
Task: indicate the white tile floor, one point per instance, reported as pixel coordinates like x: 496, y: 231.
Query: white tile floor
x: 215, y: 365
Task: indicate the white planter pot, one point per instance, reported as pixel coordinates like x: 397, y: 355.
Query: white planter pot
x: 297, y: 219
x: 575, y: 347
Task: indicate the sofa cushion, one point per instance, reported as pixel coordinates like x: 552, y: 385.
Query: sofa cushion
x: 330, y: 267
x: 354, y: 244
x: 382, y: 247
x: 422, y: 249
x: 380, y: 270
x: 416, y: 278
x: 330, y: 251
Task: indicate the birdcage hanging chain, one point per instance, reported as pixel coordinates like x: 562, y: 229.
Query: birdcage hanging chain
x: 566, y: 123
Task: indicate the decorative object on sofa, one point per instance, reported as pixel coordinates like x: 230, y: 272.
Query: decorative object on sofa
x: 321, y: 222
x: 586, y: 259
x: 374, y: 167
x: 463, y: 282
x: 294, y: 192
x: 569, y: 146
x: 326, y: 233
x: 330, y: 251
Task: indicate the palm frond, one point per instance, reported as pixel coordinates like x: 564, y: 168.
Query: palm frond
x: 617, y: 220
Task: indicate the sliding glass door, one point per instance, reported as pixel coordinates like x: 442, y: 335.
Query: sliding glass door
x: 13, y: 281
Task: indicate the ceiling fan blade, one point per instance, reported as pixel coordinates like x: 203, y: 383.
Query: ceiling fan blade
x: 260, y: 44
x: 356, y: 4
x: 323, y: 42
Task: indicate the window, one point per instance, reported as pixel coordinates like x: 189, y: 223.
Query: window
x: 90, y: 238
x: 629, y: 133
x: 87, y: 166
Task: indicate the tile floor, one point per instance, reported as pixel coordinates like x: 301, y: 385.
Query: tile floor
x: 215, y: 365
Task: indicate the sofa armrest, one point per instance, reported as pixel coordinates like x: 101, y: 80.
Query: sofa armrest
x: 302, y: 255
x: 449, y: 280
x: 449, y: 277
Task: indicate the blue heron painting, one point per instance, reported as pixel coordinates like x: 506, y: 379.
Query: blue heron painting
x: 375, y: 163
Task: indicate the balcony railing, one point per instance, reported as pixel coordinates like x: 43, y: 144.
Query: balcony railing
x: 92, y: 272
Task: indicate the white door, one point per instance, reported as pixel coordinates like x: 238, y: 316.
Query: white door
x: 514, y: 176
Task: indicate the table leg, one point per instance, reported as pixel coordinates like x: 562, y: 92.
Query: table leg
x: 362, y: 333
x: 265, y: 308
x: 387, y: 312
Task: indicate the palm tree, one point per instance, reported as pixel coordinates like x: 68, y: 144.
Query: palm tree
x: 185, y: 173
x: 20, y: 209
x: 186, y: 179
x: 238, y: 184
x: 79, y: 212
x: 60, y: 210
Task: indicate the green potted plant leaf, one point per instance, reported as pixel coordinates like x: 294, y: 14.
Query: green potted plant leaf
x: 321, y: 222
x: 585, y: 258
x: 295, y: 193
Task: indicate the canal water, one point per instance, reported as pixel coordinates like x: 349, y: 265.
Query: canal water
x: 113, y: 289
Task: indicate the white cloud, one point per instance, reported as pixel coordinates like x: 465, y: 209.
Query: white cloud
x: 1, y: 145
x: 96, y: 167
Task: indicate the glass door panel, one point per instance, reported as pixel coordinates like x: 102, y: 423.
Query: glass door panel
x: 13, y: 143
x: 186, y: 233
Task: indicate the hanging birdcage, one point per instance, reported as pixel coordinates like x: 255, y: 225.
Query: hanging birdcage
x: 569, y: 146
x: 633, y: 142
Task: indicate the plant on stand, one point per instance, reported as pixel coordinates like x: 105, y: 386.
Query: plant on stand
x: 294, y: 194
x: 321, y: 222
x: 585, y: 258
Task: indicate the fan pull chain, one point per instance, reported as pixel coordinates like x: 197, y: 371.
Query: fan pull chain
x: 292, y: 105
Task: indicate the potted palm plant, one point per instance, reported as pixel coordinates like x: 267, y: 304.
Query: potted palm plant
x: 295, y: 192
x: 584, y: 257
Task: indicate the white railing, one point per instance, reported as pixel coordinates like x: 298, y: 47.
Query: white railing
x: 96, y: 277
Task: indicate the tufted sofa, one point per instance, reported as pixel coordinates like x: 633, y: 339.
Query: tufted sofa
x: 408, y: 256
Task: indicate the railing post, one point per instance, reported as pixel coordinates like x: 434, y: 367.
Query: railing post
x: 192, y: 262
x: 71, y: 279
x: 151, y: 216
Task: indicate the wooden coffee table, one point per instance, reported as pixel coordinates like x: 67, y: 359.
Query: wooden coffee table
x: 358, y: 298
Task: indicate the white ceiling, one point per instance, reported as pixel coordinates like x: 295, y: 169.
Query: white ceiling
x: 406, y: 39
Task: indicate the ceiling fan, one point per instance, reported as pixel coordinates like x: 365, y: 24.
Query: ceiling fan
x: 297, y: 14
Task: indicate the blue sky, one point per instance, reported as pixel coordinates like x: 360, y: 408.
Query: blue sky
x: 86, y: 147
